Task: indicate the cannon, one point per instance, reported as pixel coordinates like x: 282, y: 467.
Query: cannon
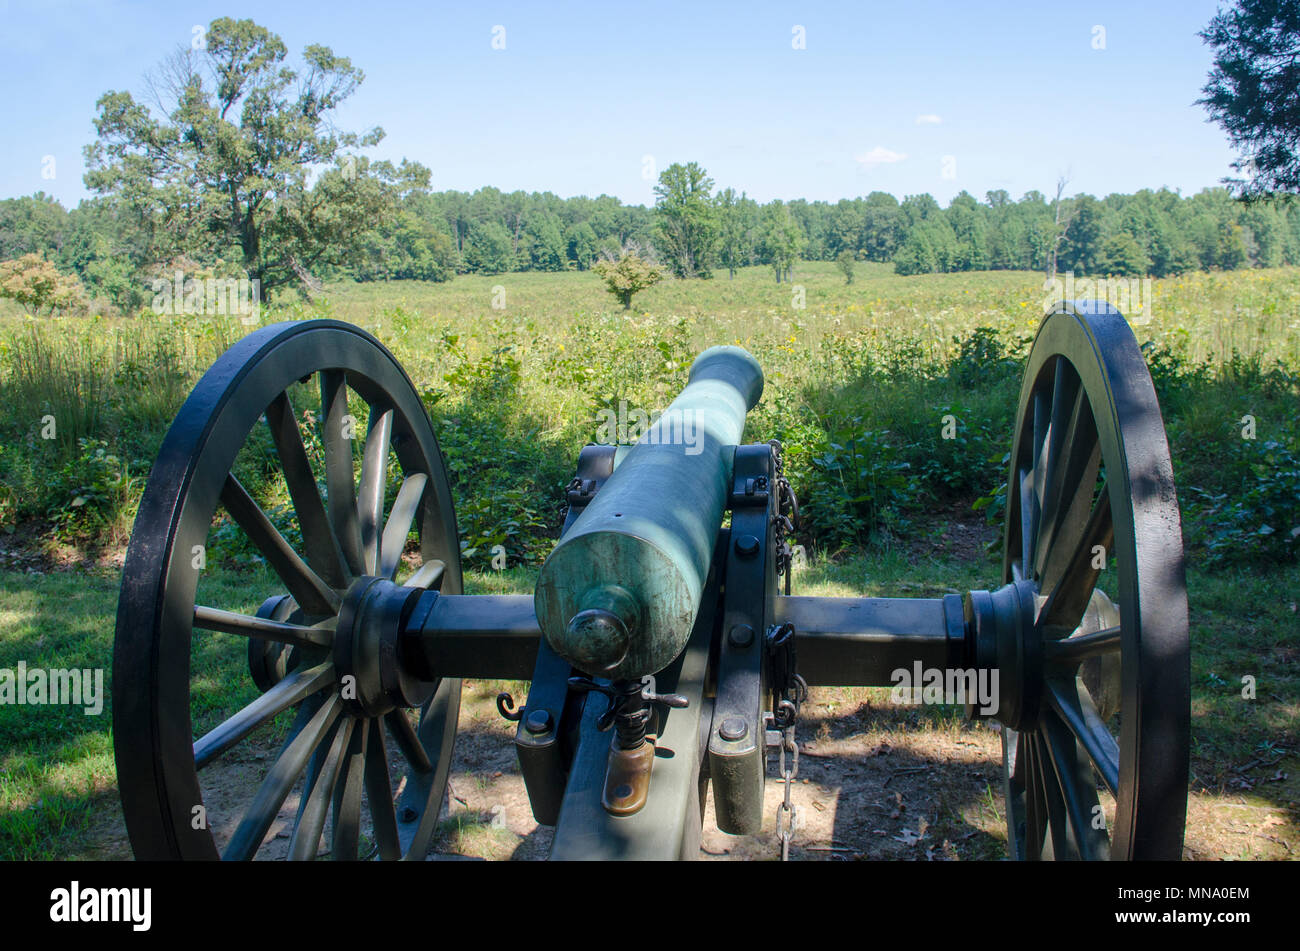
x: 664, y: 652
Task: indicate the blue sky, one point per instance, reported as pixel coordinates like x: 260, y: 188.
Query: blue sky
x: 904, y: 97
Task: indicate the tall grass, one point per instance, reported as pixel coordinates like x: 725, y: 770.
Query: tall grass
x: 85, y: 396
x: 858, y: 380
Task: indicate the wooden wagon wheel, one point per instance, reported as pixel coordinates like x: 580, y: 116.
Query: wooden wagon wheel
x: 1099, y: 683
x: 308, y: 645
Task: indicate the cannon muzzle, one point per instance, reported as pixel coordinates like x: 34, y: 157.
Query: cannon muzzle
x: 618, y: 596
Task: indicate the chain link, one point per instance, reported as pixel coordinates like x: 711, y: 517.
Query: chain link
x: 787, y: 816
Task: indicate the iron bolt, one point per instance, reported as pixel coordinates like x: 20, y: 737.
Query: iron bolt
x: 747, y: 546
x: 740, y: 635
x: 538, y: 721
x: 733, y: 728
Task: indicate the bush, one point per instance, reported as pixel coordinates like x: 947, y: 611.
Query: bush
x: 34, y: 282
x: 854, y: 483
x: 92, y: 493
x: 629, y: 275
x: 981, y: 358
x: 1259, y: 520
x: 964, y: 462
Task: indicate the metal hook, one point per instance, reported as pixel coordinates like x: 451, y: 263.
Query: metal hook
x: 506, y: 707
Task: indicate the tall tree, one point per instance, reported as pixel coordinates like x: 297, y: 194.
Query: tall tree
x: 580, y: 244
x: 1081, y: 249
x: 31, y: 224
x: 686, y: 219
x: 970, y: 232
x: 488, y: 249
x: 782, y: 239
x: 1252, y: 90
x: 1062, y: 218
x: 231, y: 162
x: 546, y: 247
x: 736, y: 214
x: 844, y: 228
x: 882, y: 227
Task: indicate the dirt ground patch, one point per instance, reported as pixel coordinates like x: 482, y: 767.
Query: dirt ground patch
x: 875, y: 782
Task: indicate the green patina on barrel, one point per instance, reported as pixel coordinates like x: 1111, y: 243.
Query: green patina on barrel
x: 618, y: 596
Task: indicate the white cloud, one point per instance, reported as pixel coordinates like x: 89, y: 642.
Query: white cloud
x: 878, y: 156
x: 928, y: 118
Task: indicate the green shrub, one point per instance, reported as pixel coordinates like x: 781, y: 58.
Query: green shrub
x: 92, y: 493
x: 857, y: 485
x: 1258, y: 518
x: 982, y: 358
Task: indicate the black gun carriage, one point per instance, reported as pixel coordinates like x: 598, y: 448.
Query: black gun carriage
x: 664, y: 650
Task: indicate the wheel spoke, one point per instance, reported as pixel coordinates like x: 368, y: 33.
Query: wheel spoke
x: 293, y: 689
x: 1065, y: 393
x: 1079, y: 714
x: 305, y: 841
x: 407, y: 741
x: 347, y: 796
x: 1036, y: 818
x: 1042, y: 420
x: 1058, y: 837
x: 379, y: 791
x: 400, y: 519
x: 340, y: 477
x: 275, y: 787
x: 231, y: 622
x: 1078, y: 793
x: 1072, y: 651
x: 429, y: 575
x: 1072, y: 472
x: 1028, y: 519
x: 323, y: 552
x: 421, y: 801
x: 1013, y: 789
x: 1029, y: 486
x: 305, y: 586
x: 1078, y: 576
x: 314, y: 766
x: 374, y: 479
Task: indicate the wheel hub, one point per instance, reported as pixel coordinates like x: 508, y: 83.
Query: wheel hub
x: 373, y: 680
x: 1002, y: 636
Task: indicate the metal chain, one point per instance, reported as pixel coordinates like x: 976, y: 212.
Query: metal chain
x: 787, y: 518
x: 789, y: 688
x: 789, y: 691
x: 787, y: 816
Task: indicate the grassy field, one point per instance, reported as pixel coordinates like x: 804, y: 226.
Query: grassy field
x: 858, y: 380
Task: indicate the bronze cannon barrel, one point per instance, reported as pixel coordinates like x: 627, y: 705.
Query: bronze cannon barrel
x: 619, y: 594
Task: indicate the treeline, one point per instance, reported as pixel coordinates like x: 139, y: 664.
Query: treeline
x: 695, y: 230
x: 1155, y: 233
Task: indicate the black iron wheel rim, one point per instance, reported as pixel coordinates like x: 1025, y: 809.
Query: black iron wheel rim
x: 155, y: 746
x: 1085, y: 362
